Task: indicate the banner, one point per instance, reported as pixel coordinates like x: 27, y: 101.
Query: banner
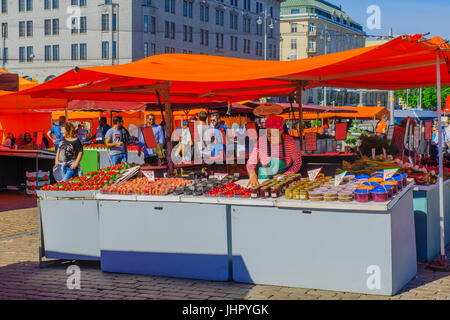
x: 312, y: 174
x: 429, y: 130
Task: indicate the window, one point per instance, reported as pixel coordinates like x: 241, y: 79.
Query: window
x: 147, y: 3
x: 293, y: 27
x: 167, y: 30
x: 247, y: 5
x: 247, y: 48
x: 4, y: 30
x: 246, y: 25
x: 83, y: 24
x: 219, y: 40
x: 83, y: 51
x: 145, y: 49
x: 21, y: 9
x: 153, y: 49
x: 29, y: 28
x: 169, y: 6
x: 233, y: 43
x: 233, y: 21
x: 74, y: 2
x: 187, y: 8
x: 204, y: 12
x: 74, y: 25
x: 5, y: 10
x: 114, y: 22
x: 55, y: 5
x: 56, y: 27
x: 47, y: 27
x: 295, y: 11
x: 312, y: 27
x: 74, y: 51
x: 269, y: 53
x: 311, y: 44
x: 56, y: 52
x: 83, y: 3
x: 48, y: 53
x: 21, y: 54
x: 21, y: 28
x: 152, y: 24
x: 5, y: 55
x: 185, y: 33
x: 30, y: 8
x: 204, y: 37
x: 105, y: 22
x: 146, y: 26
x: 105, y: 50
x: 293, y: 44
x: 219, y: 17
x: 114, y: 49
x: 172, y: 30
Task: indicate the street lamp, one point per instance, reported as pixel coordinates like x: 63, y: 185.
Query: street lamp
x: 260, y: 21
x: 327, y: 38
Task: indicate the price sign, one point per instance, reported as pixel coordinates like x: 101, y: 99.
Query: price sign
x: 388, y: 173
x: 311, y: 141
x: 390, y: 133
x: 149, y: 174
x: 220, y: 176
x: 338, y: 179
x: 416, y: 137
x: 312, y: 174
x: 341, y: 131
x: 428, y: 130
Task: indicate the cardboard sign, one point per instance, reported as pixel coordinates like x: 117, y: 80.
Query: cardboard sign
x: 149, y: 174
x: 310, y: 141
x: 312, y: 174
x: 388, y: 173
x: 149, y: 137
x: 338, y: 179
x: 251, y: 131
x: 428, y: 130
x: 341, y: 131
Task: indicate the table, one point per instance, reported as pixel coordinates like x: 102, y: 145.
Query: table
x: 20, y: 161
x: 427, y: 220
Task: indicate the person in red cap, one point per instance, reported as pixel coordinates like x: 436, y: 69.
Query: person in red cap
x: 276, y: 151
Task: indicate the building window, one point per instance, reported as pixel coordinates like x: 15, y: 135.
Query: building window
x: 5, y: 55
x: 47, y: 27
x: 172, y: 30
x: 55, y: 26
x: 74, y: 2
x: 233, y: 21
x: 55, y: 4
x: 21, y: 9
x: 83, y: 24
x: 311, y: 44
x: 219, y: 17
x: 153, y: 49
x: 30, y: 8
x: 204, y: 37
x: 21, y: 28
x: 21, y: 54
x: 169, y: 6
x: 204, y: 12
x: 293, y: 44
x: 167, y: 30
x: 4, y: 30
x: 74, y: 51
x: 83, y: 3
x: 74, y: 25
x: 247, y: 45
x: 187, y: 8
x: 105, y: 22
x: 114, y: 49
x: 114, y: 22
x: 83, y: 51
x: 269, y: 51
x: 145, y: 49
x: 29, y: 28
x: 56, y: 52
x: 247, y: 23
x: 233, y: 43
x: 293, y: 27
x: 48, y: 53
x: 152, y: 24
x: 105, y: 50
x: 4, y: 6
x: 247, y: 5
x: 146, y: 26
x: 259, y: 50
x: 219, y: 40
x: 312, y: 27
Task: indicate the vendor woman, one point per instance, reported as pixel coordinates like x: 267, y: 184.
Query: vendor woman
x: 276, y: 152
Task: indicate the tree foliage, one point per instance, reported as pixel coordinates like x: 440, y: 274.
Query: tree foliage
x: 429, y: 97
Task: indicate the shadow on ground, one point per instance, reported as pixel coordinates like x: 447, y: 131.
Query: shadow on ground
x: 15, y: 200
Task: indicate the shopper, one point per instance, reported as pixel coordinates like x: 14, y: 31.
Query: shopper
x: 185, y: 143
x: 55, y: 133
x: 220, y: 135
x: 27, y: 138
x: 102, y: 129
x: 381, y: 126
x: 8, y: 143
x: 149, y: 156
x: 116, y: 141
x: 70, y: 152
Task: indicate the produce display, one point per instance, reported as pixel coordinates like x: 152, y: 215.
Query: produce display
x: 103, y: 147
x: 143, y: 186
x: 204, y: 186
x: 91, y: 181
x: 366, y: 165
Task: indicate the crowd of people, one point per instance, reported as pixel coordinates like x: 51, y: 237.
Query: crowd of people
x: 25, y: 141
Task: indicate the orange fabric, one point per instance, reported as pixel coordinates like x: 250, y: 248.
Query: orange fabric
x: 404, y: 62
x: 381, y: 127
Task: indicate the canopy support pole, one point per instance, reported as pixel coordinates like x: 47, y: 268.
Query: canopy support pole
x: 165, y: 93
x: 441, y: 171
x: 160, y: 106
x: 298, y: 97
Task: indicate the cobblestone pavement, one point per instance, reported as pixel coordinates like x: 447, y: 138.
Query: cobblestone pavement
x: 21, y: 277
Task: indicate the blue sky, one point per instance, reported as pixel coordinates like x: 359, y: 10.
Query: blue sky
x: 404, y: 16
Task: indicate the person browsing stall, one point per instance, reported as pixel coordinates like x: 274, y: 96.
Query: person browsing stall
x: 276, y: 152
x: 116, y: 141
x: 55, y: 133
x: 102, y: 129
x: 70, y: 152
x: 149, y: 156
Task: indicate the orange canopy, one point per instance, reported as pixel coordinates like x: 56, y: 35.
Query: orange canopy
x: 404, y: 62
x: 362, y: 113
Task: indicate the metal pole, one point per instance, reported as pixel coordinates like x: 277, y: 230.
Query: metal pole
x: 391, y: 106
x: 67, y: 113
x: 420, y: 98
x: 441, y: 171
x: 326, y: 52
x: 265, y: 34
x: 4, y: 45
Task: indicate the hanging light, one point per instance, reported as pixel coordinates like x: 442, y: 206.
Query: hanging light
x: 259, y: 21
x: 271, y: 25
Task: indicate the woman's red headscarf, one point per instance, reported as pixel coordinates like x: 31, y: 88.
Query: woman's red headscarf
x: 274, y: 122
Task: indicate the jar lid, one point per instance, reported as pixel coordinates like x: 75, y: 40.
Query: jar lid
x: 362, y: 191
x: 362, y: 177
x: 380, y: 190
x: 371, y: 184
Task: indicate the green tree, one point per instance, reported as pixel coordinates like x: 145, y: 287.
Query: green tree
x: 429, y: 98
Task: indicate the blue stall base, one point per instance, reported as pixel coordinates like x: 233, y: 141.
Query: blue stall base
x: 69, y: 256
x: 178, y: 265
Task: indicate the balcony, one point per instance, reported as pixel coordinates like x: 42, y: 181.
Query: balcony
x: 311, y: 49
x: 312, y: 33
